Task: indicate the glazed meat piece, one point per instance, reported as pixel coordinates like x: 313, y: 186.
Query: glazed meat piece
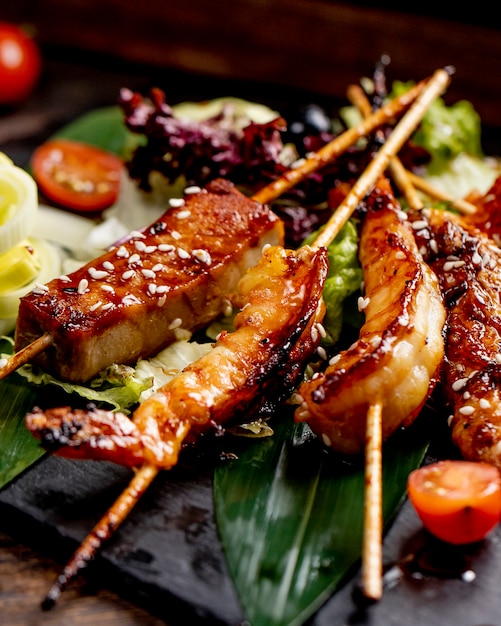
x: 400, y: 348
x: 277, y: 332
x: 133, y: 301
x: 468, y: 265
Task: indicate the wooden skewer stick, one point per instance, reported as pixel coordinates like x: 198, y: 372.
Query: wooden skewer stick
x: 407, y: 181
x: 388, y: 150
x: 372, y: 541
x: 372, y: 557
x: 129, y: 497
x: 271, y: 191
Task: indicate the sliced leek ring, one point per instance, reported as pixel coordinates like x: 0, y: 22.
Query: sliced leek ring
x: 18, y: 204
x: 50, y: 267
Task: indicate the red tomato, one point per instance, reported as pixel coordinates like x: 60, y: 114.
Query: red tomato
x: 20, y: 64
x: 457, y: 501
x: 76, y: 175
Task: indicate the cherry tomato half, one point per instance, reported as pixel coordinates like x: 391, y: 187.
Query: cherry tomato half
x: 77, y: 176
x: 457, y: 501
x: 20, y: 64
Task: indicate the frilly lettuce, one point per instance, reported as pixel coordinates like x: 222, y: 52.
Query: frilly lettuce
x: 123, y: 386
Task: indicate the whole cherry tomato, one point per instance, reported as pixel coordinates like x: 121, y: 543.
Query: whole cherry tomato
x: 20, y: 64
x: 76, y: 175
x: 457, y: 501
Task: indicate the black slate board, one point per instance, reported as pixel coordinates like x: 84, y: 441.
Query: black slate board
x: 167, y: 555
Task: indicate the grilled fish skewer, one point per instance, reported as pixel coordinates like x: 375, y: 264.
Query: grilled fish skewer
x: 80, y: 353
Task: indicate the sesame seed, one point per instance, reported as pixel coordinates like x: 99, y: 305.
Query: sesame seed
x: 162, y: 289
x: 176, y: 202
x: 3, y: 362
x: 326, y: 440
x: 97, y: 274
x: 402, y: 215
x: 497, y: 357
x: 107, y: 288
x: 140, y: 245
x: 134, y: 258
x: 182, y: 254
x: 130, y: 299
x: 166, y: 247
x: 202, y: 255
x: 122, y: 252
x: 334, y: 359
x: 148, y: 273
x: 137, y: 234
x: 96, y: 305
x: 458, y: 384
x: 433, y: 246
x: 158, y: 267
x: 41, y: 288
x: 150, y: 249
x: 321, y: 330
x: 108, y: 306
x: 175, y: 235
x: 466, y: 395
x: 227, y: 308
x: 476, y: 259
x: 484, y: 403
x: 314, y: 334
x: 182, y: 215
x: 419, y: 224
x: 161, y: 301
x: 363, y: 303
x: 192, y: 189
x: 128, y: 274
x: 176, y: 323
x: 449, y: 420
x: 400, y: 254
x: 467, y: 409
x: 452, y: 265
x: 83, y: 286
x: 65, y: 279
x: 321, y: 352
x: 152, y: 288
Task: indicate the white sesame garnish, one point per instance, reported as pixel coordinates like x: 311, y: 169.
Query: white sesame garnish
x: 476, y: 259
x: 182, y: 215
x: 83, y: 286
x: 192, y: 189
x: 130, y: 299
x: 227, y: 308
x: 134, y: 258
x: 466, y: 395
x: 314, y: 334
x: 107, y: 288
x: 175, y: 235
x: 202, y: 255
x: 176, y: 202
x: 150, y: 249
x: 158, y: 267
x: 334, y: 359
x: 137, y: 234
x: 326, y: 440
x: 449, y: 420
x: 166, y: 247
x: 161, y: 301
x: 452, y: 265
x: 152, y: 288
x: 182, y: 254
x: 176, y: 323
x: 399, y: 255
x: 458, y: 384
x: 96, y: 305
x: 162, y: 289
x: 433, y: 246
x: 497, y: 357
x: 128, y: 274
x: 321, y: 352
x: 321, y: 330
x: 3, y: 362
x: 148, y: 273
x: 140, y: 245
x: 41, y: 288
x: 467, y: 409
x: 122, y: 252
x: 108, y: 306
x: 97, y: 274
x: 484, y: 403
x: 65, y: 279
x: 363, y: 303
x: 402, y: 215
x: 419, y: 224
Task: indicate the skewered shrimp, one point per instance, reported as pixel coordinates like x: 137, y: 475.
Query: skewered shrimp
x: 397, y: 356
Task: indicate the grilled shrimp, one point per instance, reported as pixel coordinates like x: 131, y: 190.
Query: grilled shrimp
x: 277, y: 332
x: 400, y: 348
x: 468, y: 265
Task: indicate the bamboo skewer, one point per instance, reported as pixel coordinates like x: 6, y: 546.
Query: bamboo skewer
x: 145, y: 475
x: 270, y: 192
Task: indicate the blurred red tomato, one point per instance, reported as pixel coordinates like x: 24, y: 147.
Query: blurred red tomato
x: 20, y: 64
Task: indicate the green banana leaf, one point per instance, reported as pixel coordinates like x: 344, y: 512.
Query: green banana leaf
x: 18, y: 448
x: 290, y: 518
